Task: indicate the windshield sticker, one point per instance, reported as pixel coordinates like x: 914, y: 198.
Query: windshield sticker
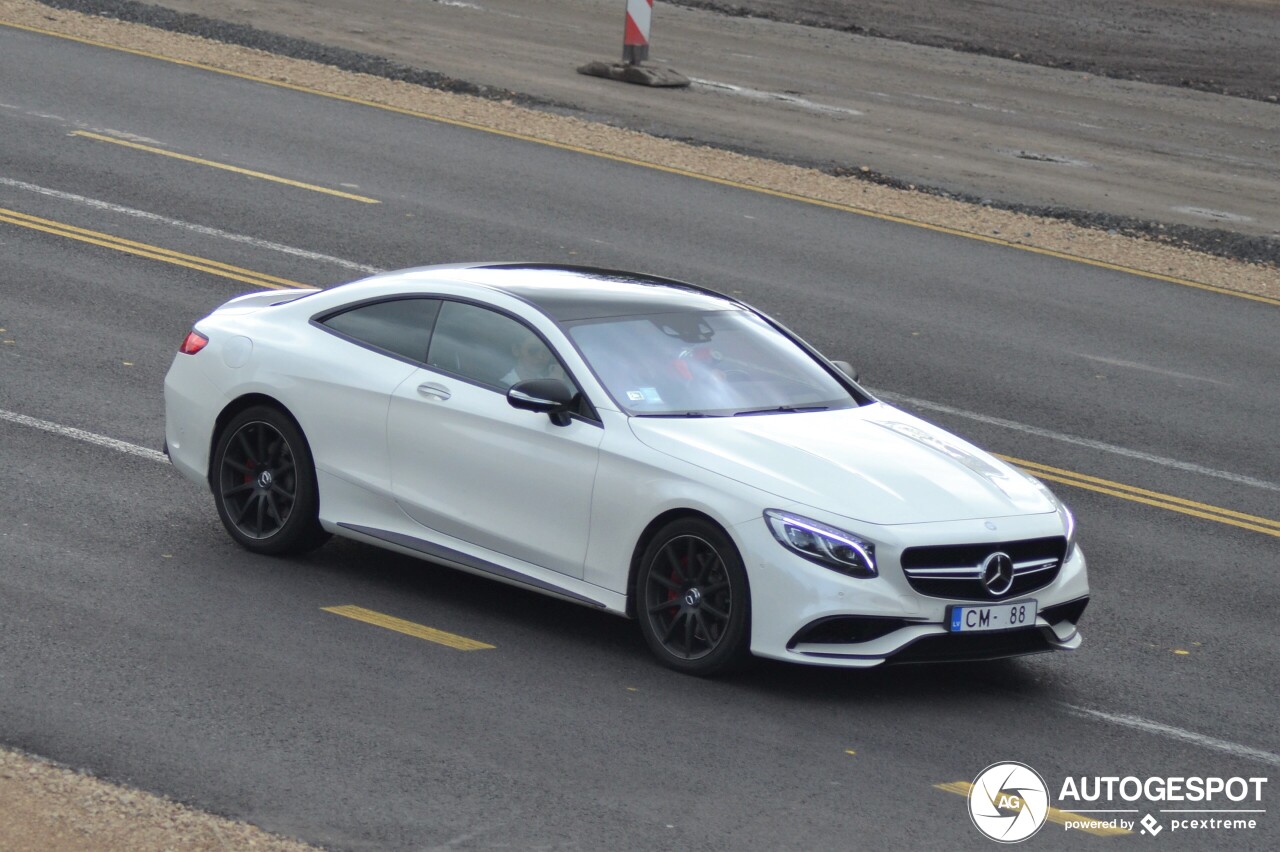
x: 644, y: 395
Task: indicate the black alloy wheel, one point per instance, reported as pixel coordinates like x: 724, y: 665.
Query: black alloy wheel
x: 692, y: 599
x: 264, y: 483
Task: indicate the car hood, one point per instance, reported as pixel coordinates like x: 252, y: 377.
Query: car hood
x: 873, y: 463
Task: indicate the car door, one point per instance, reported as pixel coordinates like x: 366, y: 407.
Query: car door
x: 341, y: 383
x: 467, y: 464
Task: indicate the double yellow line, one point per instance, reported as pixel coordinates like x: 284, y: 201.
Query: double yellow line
x: 97, y: 238
x: 1267, y: 526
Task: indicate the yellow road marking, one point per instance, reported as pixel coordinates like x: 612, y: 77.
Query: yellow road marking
x: 225, y: 167
x: 1254, y: 523
x: 213, y: 267
x: 410, y: 628
x: 847, y: 208
x: 962, y: 788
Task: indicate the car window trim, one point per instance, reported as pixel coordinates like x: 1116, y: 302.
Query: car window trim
x: 319, y: 319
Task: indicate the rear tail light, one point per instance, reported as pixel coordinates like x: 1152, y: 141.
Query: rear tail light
x: 194, y: 343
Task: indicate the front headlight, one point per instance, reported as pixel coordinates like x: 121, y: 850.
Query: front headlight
x: 829, y: 547
x: 1069, y: 529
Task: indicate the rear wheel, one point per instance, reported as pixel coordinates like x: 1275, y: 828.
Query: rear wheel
x: 692, y: 599
x: 264, y: 484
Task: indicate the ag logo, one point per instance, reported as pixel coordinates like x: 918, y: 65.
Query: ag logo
x: 1008, y: 802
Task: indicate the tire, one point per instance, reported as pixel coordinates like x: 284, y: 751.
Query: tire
x: 264, y: 484
x: 692, y: 599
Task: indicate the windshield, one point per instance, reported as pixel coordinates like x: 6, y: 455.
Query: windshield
x: 691, y: 364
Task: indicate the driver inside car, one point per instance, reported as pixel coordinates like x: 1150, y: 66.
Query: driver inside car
x: 533, y: 361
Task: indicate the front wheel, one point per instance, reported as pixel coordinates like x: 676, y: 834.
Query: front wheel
x: 264, y: 484
x: 692, y: 599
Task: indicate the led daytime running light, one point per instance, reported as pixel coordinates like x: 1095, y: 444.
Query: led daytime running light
x: 820, y: 543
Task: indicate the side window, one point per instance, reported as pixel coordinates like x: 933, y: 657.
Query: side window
x: 402, y: 326
x: 489, y: 348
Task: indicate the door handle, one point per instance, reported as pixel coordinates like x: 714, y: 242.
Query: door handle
x: 434, y: 391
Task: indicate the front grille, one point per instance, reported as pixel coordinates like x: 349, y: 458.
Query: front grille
x: 955, y: 570
x: 971, y: 647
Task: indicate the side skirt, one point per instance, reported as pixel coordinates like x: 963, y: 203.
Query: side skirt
x: 467, y: 562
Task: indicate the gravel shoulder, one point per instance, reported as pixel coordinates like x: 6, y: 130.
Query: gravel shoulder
x: 49, y: 807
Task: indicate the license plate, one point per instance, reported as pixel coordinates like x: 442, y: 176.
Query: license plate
x: 1005, y: 616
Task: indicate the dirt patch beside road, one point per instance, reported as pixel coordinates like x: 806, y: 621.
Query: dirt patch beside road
x: 1224, y: 46
x: 49, y: 808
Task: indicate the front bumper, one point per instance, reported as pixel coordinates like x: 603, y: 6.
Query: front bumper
x: 802, y: 612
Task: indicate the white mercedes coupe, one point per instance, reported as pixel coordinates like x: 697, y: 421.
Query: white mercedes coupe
x: 645, y: 446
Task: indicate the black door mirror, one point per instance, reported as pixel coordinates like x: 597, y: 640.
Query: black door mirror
x: 846, y: 368
x: 549, y: 396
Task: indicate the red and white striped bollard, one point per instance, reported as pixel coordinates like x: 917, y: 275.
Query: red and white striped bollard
x: 635, y: 38
x: 635, y: 50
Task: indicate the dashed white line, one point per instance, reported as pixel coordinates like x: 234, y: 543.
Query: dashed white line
x: 203, y: 230
x: 82, y: 435
x: 1134, y: 365
x: 1140, y: 724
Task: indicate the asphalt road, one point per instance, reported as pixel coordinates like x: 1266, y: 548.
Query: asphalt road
x: 138, y: 642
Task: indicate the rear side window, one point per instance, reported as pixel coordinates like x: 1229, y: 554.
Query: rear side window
x: 400, y: 326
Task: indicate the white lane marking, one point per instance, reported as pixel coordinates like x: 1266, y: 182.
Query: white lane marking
x: 31, y: 113
x: 1238, y: 478
x: 759, y: 95
x: 119, y: 134
x: 1140, y: 724
x: 893, y: 397
x: 82, y: 435
x: 204, y: 230
x: 953, y: 101
x: 1134, y: 365
x: 1216, y: 215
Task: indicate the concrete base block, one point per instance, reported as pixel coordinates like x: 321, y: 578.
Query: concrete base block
x: 641, y: 75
